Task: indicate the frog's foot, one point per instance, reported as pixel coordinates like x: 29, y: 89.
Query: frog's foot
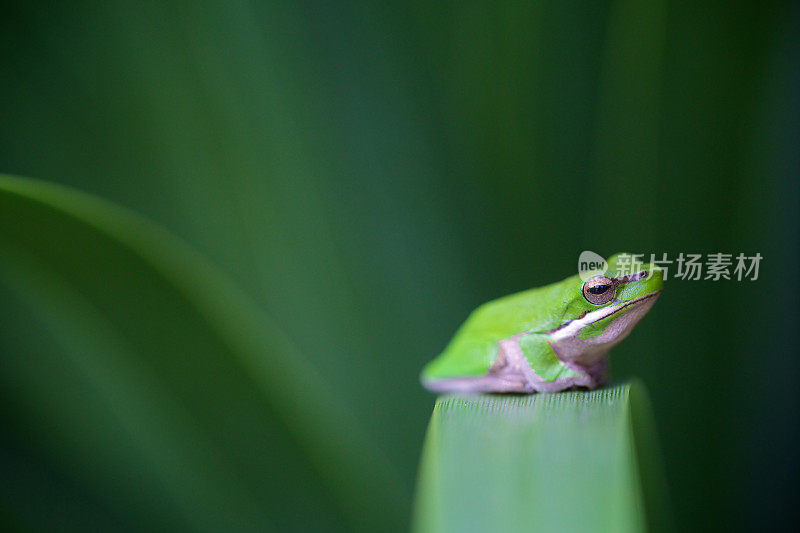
x: 477, y: 384
x: 507, y: 379
x: 580, y: 382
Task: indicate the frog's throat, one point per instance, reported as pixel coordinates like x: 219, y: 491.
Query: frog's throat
x: 569, y: 347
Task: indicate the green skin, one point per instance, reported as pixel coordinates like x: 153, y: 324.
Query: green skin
x: 546, y: 339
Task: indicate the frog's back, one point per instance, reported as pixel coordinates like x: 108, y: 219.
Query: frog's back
x: 473, y: 348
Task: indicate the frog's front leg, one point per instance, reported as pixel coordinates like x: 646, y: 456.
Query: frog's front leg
x: 533, y: 355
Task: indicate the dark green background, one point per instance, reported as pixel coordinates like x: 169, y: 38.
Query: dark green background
x: 369, y: 174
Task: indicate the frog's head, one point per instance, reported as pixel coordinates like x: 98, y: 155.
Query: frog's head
x: 603, y: 309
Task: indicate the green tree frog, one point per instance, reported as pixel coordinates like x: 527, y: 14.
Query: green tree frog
x: 547, y: 339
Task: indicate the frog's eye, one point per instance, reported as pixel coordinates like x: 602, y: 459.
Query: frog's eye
x: 598, y: 290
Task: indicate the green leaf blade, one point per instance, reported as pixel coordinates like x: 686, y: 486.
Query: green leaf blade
x: 545, y: 462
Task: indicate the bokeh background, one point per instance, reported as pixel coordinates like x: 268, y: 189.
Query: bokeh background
x: 368, y: 174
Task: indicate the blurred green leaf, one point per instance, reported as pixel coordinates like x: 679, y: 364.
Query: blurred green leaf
x: 372, y: 172
x: 545, y: 462
x: 166, y: 396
